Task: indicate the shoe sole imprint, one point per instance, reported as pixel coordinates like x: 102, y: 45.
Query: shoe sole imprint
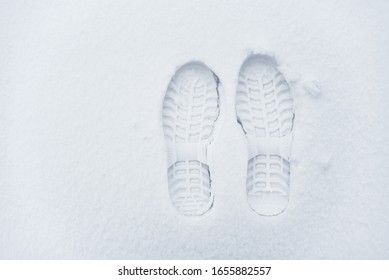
x: 265, y: 110
x: 190, y: 110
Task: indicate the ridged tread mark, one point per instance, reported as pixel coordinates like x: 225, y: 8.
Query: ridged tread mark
x: 264, y: 107
x: 190, y: 110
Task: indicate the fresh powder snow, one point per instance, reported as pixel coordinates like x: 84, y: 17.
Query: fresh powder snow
x: 83, y: 161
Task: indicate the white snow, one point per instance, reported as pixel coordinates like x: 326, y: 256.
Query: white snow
x: 82, y: 153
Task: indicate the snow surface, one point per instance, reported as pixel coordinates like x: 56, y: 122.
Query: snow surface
x: 82, y: 153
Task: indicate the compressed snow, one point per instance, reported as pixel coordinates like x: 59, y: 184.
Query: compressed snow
x: 82, y: 153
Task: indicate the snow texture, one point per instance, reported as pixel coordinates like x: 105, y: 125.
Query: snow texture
x: 82, y: 152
